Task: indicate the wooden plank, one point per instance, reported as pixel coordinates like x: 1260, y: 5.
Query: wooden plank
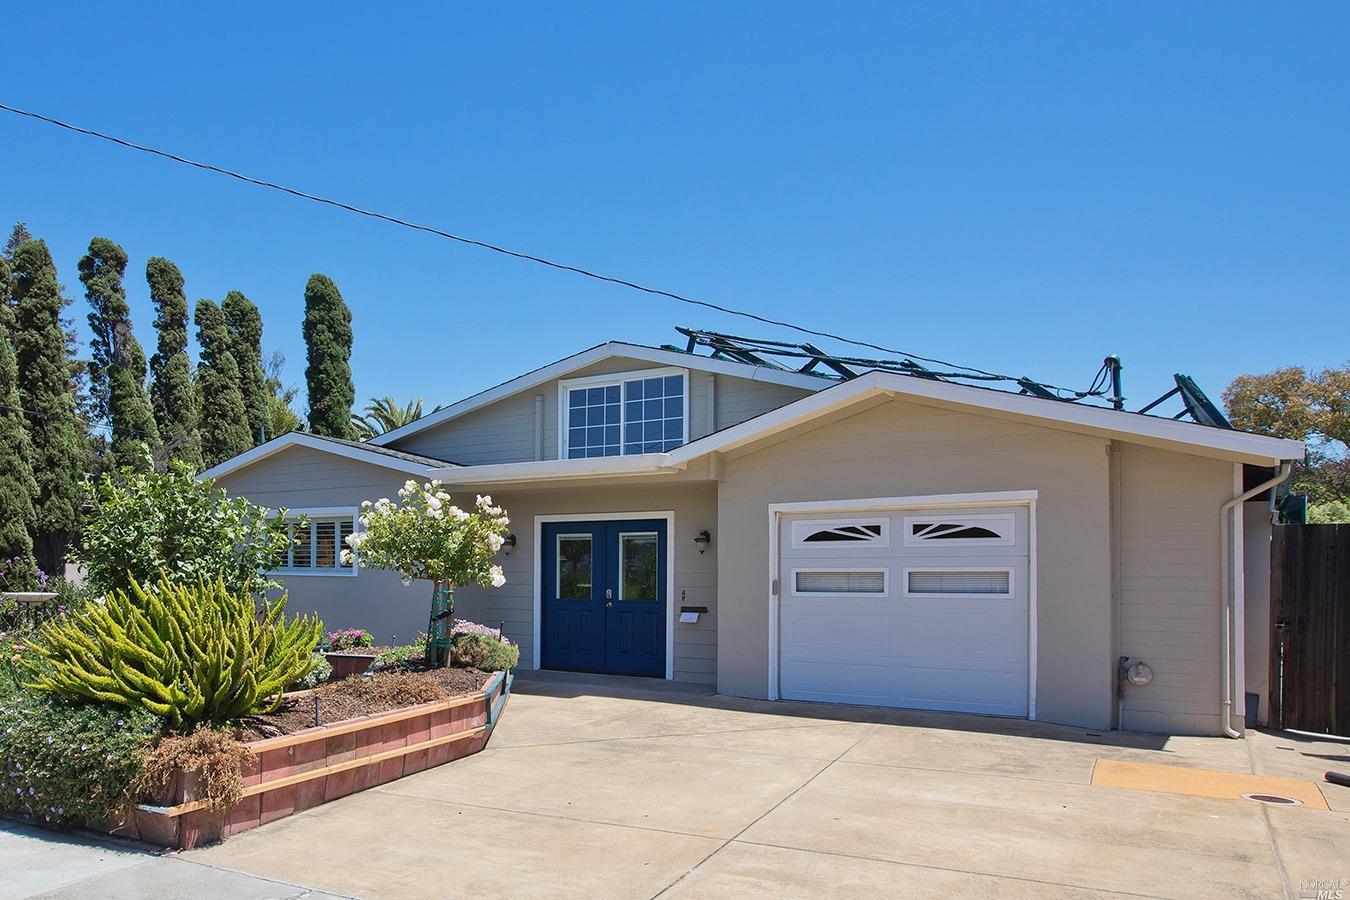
x: 346, y: 726
x: 287, y: 781
x: 1310, y: 592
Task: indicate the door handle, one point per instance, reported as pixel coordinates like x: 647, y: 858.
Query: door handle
x: 609, y: 593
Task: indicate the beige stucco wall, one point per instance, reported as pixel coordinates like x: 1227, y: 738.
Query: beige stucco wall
x: 694, y: 504
x: 907, y: 449
x: 1169, y: 586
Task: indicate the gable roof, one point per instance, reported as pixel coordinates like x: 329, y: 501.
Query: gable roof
x: 411, y: 463
x: 1239, y: 446
x: 598, y: 353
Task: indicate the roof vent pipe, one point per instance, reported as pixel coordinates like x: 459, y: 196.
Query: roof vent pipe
x: 1230, y: 574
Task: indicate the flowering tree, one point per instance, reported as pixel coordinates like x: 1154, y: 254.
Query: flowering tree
x: 425, y: 536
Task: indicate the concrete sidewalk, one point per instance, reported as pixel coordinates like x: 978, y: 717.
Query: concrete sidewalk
x: 37, y: 863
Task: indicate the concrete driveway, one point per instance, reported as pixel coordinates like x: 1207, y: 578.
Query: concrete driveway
x: 634, y: 788
x: 630, y: 788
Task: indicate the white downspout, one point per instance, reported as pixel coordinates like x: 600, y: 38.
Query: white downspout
x: 1230, y: 572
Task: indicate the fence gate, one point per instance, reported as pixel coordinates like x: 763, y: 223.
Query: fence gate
x: 1310, y: 628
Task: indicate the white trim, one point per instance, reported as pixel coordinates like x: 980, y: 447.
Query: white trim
x: 324, y: 513
x: 799, y: 541
x: 591, y: 357
x: 918, y: 501
x: 905, y: 592
x: 1027, y: 499
x: 301, y: 439
x: 616, y: 379
x: 1032, y: 639
x: 860, y: 569
x: 667, y: 514
x: 558, y: 470
x: 909, y: 539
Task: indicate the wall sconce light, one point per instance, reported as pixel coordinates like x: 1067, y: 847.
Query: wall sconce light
x: 509, y: 544
x: 702, y: 539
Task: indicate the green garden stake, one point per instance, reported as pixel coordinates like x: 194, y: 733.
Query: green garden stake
x: 438, y: 626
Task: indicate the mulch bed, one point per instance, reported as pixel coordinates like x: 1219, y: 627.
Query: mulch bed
x: 358, y: 696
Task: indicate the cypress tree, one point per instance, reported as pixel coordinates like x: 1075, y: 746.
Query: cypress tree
x: 328, y: 348
x: 17, y: 485
x: 117, y: 367
x: 224, y: 425
x: 245, y: 325
x: 47, y: 390
x: 172, y: 396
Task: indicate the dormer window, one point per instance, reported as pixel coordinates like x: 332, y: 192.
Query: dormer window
x: 624, y: 414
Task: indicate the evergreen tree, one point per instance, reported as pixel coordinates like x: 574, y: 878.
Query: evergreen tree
x: 117, y: 365
x: 328, y: 348
x: 172, y: 395
x: 18, y: 236
x: 245, y: 325
x: 47, y: 391
x: 224, y: 425
x: 17, y: 486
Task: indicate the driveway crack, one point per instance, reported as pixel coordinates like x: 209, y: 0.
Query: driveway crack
x: 695, y: 867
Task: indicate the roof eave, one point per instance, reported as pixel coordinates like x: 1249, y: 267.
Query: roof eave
x: 301, y: 439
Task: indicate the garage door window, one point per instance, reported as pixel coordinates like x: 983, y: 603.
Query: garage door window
x: 960, y: 582
x: 959, y: 531
x: 841, y: 533
x: 839, y: 581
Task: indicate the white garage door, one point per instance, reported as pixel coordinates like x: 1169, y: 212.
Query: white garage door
x: 924, y: 609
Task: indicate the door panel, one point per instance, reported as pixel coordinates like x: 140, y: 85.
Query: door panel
x: 603, y: 593
x: 572, y: 586
x: 635, y: 617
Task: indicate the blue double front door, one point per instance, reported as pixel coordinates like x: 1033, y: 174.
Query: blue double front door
x: 603, y: 589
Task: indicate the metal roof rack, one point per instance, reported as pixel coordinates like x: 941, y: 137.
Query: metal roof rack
x: 808, y: 359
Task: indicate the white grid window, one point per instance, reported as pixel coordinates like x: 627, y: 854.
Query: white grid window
x: 625, y: 414
x: 316, y: 545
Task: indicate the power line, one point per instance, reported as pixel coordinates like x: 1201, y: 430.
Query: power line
x: 495, y: 248
x: 104, y: 424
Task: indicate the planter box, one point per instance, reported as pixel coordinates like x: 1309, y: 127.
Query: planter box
x: 296, y: 771
x: 348, y: 664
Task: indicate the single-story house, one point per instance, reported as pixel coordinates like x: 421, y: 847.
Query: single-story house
x: 885, y: 539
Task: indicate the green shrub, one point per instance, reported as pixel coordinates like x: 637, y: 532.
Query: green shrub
x: 322, y: 671
x: 64, y: 763
x: 486, y: 652
x: 405, y: 653
x: 143, y: 526
x: 187, y: 654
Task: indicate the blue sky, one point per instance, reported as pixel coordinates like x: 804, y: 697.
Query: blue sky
x: 1021, y: 187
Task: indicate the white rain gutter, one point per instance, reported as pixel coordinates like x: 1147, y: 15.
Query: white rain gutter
x: 1230, y: 573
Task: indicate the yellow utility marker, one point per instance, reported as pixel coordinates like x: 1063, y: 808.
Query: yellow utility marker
x: 1202, y: 782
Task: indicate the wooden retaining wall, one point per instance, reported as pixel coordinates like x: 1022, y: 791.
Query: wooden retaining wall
x: 297, y: 771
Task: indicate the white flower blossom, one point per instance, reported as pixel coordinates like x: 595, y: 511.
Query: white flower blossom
x: 494, y: 542
x: 497, y: 576
x: 347, y: 557
x: 365, y: 504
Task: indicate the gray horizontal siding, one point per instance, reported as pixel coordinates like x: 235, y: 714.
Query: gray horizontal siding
x: 504, y: 431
